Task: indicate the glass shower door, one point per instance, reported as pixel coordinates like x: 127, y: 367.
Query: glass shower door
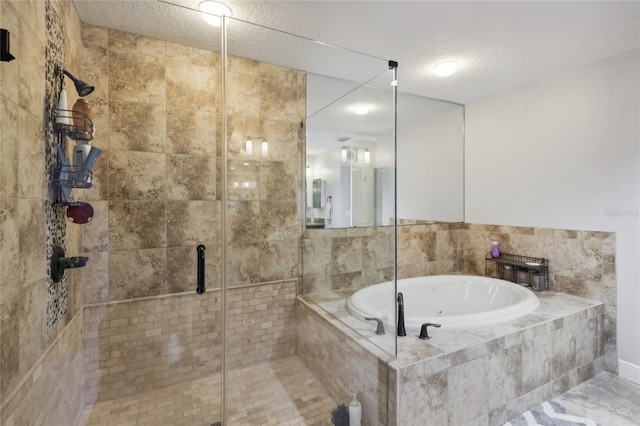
x: 286, y: 358
x: 153, y: 343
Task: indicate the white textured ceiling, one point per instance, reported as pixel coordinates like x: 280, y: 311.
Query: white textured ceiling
x: 500, y: 45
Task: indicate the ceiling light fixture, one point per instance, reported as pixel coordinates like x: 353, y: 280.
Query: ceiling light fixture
x: 213, y: 11
x: 361, y: 109
x: 445, y: 69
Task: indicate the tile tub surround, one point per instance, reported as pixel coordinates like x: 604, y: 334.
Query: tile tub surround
x: 343, y: 361
x: 352, y: 258
x: 582, y: 263
x: 486, y: 375
x: 134, y: 346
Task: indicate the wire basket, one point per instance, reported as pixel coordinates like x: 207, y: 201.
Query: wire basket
x: 71, y: 176
x: 74, y: 124
x: 527, y: 271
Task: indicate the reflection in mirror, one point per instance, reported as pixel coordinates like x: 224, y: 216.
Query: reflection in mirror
x: 349, y: 139
x: 349, y: 153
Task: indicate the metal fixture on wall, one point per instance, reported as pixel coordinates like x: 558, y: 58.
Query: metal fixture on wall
x: 82, y: 88
x: 59, y: 263
x: 4, y: 46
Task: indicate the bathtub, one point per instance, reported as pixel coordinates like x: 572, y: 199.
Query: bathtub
x: 454, y: 301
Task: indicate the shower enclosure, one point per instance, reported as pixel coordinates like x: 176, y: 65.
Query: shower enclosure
x: 247, y: 187
x: 196, y: 267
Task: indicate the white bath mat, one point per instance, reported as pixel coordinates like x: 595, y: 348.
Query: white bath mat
x: 550, y: 413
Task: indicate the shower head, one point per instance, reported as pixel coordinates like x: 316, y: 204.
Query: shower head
x: 82, y: 88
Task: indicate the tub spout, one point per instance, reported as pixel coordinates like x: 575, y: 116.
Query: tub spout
x: 423, y: 330
x: 379, y: 327
x: 401, y: 329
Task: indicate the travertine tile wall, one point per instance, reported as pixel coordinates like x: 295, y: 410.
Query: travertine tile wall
x: 492, y: 382
x: 261, y: 323
x: 51, y: 392
x: 429, y: 249
x: 159, y: 192
x: 581, y: 263
x: 265, y: 103
x: 137, y: 345
x: 157, y: 196
x: 334, y: 259
x: 39, y: 378
x: 342, y: 364
x: 142, y: 344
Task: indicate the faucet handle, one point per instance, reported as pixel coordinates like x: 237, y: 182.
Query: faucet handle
x: 380, y: 324
x: 423, y: 330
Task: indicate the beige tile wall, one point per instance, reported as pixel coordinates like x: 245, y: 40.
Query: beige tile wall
x: 156, y: 195
x: 580, y: 263
x: 335, y: 356
x: 496, y: 380
x: 334, y: 259
x: 142, y: 344
x: 137, y: 345
x: 158, y: 190
x: 39, y: 378
x: 51, y: 392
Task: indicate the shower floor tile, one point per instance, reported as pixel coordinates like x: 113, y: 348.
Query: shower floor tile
x: 280, y: 392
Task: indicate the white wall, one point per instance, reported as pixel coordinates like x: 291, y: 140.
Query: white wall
x: 430, y: 168
x: 565, y: 153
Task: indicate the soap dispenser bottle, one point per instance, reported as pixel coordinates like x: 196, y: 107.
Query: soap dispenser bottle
x: 355, y: 412
x: 495, y: 250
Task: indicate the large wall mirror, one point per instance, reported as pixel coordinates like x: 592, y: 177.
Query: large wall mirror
x: 349, y: 156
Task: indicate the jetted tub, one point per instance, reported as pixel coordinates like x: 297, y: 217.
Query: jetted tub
x: 454, y: 301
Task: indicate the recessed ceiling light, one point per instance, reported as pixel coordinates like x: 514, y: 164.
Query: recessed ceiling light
x: 213, y: 11
x: 445, y: 69
x: 361, y: 109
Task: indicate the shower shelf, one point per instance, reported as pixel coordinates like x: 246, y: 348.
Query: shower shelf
x: 527, y: 271
x: 71, y: 176
x: 82, y: 129
x: 65, y: 176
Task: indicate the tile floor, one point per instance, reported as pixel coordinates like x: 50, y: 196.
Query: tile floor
x: 606, y: 399
x: 285, y: 393
x: 281, y: 392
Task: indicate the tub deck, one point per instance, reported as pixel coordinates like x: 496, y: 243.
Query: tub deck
x: 483, y: 375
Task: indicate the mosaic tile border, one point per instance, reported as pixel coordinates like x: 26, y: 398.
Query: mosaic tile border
x: 54, y: 214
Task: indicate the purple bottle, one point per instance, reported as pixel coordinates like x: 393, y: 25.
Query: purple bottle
x: 495, y: 250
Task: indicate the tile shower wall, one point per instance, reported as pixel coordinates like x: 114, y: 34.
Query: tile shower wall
x: 142, y: 344
x: 158, y: 195
x: 36, y: 363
